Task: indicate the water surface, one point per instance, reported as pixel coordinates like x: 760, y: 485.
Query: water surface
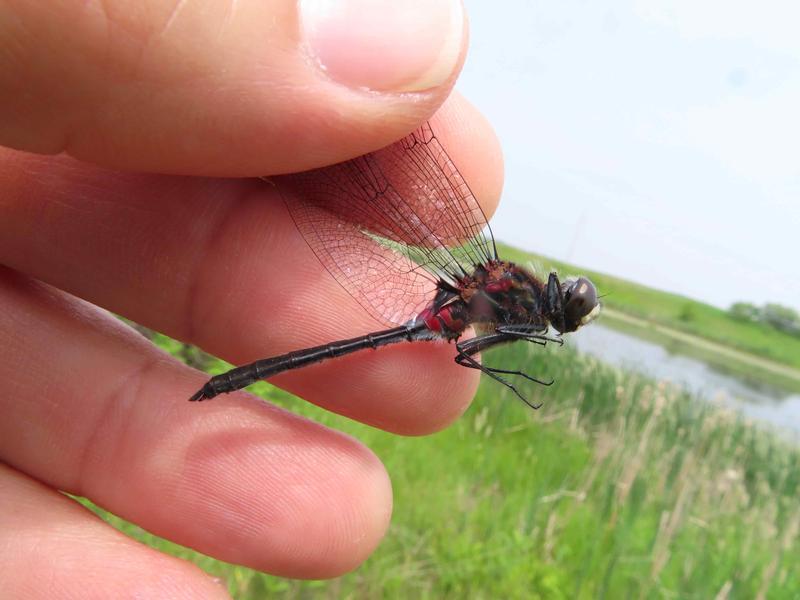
x: 760, y: 401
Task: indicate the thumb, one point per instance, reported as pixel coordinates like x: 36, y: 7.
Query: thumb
x: 221, y: 87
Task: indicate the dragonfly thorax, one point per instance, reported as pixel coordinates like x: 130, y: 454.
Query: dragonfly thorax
x: 501, y: 293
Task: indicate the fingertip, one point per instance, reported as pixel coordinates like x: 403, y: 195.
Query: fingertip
x: 409, y: 46
x: 274, y: 491
x: 437, y: 391
x: 223, y: 89
x: 474, y: 147
x: 409, y: 389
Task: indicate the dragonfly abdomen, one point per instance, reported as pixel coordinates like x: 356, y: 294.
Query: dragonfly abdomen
x: 241, y: 377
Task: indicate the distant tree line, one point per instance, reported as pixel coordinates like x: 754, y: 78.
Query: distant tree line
x: 780, y: 317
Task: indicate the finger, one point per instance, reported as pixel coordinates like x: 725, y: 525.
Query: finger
x: 90, y: 407
x: 54, y: 548
x: 246, y: 88
x: 221, y: 263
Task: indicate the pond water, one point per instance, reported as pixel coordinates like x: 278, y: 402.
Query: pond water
x: 762, y: 402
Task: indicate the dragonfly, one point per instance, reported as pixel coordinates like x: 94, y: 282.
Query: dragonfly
x: 400, y: 230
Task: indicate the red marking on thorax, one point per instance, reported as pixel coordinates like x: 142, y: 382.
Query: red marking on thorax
x: 501, y: 285
x: 450, y: 321
x: 431, y: 321
x: 443, y: 321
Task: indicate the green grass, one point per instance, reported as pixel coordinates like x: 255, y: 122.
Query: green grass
x: 616, y: 488
x: 679, y: 312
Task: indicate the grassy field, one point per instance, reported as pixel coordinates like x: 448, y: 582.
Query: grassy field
x: 617, y: 488
x: 680, y: 313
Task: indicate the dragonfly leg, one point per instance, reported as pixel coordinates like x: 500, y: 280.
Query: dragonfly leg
x: 529, y: 335
x: 479, y: 344
x: 465, y: 360
x: 460, y: 359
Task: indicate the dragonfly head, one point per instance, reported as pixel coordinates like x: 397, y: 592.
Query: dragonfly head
x: 580, y: 303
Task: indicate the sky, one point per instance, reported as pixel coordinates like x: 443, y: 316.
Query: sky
x: 656, y: 140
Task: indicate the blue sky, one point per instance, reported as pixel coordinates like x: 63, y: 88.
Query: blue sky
x: 655, y: 140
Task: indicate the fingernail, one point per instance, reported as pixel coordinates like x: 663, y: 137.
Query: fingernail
x: 384, y: 45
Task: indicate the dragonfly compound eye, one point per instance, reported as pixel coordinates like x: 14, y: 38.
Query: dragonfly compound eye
x: 580, y: 303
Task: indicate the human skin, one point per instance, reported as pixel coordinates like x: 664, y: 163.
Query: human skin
x: 132, y: 137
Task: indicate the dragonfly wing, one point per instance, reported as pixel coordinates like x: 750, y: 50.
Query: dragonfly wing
x: 390, y: 224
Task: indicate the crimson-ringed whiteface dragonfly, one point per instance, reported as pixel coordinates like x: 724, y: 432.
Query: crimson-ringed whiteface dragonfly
x: 401, y: 231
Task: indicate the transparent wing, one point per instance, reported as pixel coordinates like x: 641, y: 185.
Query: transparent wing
x: 390, y: 224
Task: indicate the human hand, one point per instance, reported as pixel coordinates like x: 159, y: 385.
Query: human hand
x: 89, y: 406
